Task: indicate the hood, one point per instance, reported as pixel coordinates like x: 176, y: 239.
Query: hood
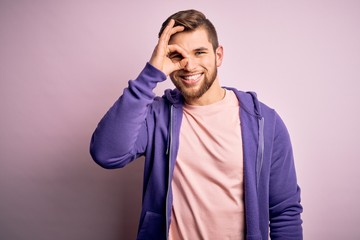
x: 174, y: 97
x: 248, y: 100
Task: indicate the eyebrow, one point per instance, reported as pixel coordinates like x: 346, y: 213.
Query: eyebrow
x: 201, y: 49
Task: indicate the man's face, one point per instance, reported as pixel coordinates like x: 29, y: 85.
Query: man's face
x: 200, y: 71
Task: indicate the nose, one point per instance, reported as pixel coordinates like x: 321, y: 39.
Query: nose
x: 190, y: 65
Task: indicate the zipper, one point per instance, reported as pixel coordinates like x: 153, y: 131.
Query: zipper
x: 260, y: 151
x: 169, y: 180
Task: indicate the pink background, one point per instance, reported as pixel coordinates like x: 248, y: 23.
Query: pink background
x: 63, y: 64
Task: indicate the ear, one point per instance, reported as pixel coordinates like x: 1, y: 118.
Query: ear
x: 219, y: 54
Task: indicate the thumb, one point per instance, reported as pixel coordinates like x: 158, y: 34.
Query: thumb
x: 182, y: 64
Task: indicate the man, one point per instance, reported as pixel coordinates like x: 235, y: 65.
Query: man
x: 218, y: 163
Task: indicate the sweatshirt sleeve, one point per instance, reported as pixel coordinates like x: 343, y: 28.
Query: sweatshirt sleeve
x: 121, y: 135
x: 284, y: 192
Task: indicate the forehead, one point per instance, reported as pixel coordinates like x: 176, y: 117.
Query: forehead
x: 191, y: 39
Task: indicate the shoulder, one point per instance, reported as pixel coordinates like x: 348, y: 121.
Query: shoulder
x: 250, y: 102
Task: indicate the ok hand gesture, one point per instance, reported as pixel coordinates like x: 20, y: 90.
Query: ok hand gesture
x: 160, y: 57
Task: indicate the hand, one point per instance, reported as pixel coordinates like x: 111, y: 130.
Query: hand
x: 160, y: 57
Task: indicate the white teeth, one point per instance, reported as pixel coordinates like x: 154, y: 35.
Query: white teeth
x: 192, y: 77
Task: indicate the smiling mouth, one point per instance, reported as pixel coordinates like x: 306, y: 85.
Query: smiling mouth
x: 191, y: 79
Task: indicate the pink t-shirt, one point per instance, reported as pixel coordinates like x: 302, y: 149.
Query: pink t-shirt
x: 208, y: 177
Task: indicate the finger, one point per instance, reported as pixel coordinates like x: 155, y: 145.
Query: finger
x: 178, y: 49
x: 181, y: 64
x: 169, y: 26
x: 169, y: 31
x: 176, y: 30
x: 165, y: 34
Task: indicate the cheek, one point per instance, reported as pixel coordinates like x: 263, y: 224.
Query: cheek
x: 173, y: 76
x: 208, y: 62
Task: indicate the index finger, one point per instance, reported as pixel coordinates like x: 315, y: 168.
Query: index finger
x: 176, y: 49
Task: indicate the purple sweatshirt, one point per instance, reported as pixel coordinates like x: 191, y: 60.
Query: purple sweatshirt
x: 142, y: 124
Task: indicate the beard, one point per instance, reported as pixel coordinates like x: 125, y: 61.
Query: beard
x: 190, y: 93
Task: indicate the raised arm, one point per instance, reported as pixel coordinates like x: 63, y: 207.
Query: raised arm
x: 121, y: 135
